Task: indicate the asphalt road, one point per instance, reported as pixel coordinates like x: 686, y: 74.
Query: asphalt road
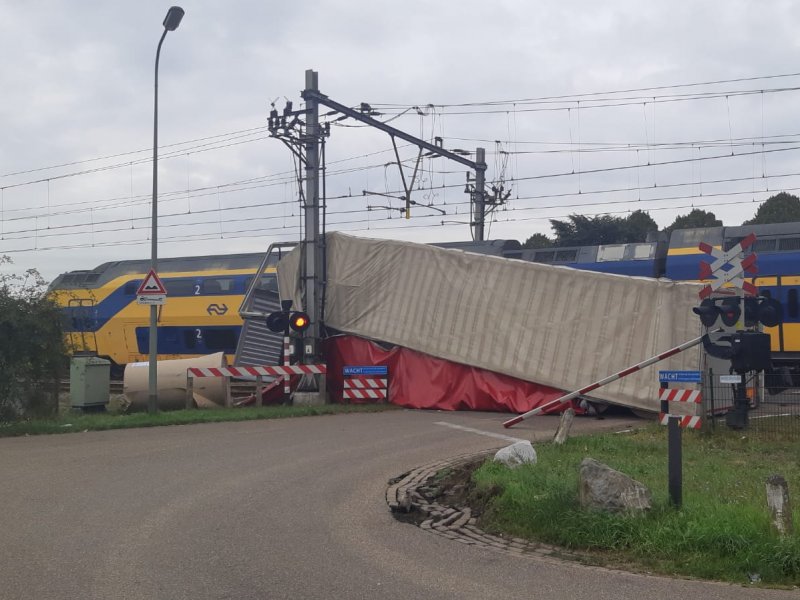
x: 289, y: 508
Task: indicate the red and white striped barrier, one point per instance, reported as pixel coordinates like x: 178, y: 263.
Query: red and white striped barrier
x: 684, y: 421
x: 361, y: 388
x: 287, y: 360
x: 609, y: 379
x: 283, y: 371
x: 680, y: 395
x: 279, y: 370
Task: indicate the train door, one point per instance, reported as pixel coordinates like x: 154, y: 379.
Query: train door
x: 82, y: 338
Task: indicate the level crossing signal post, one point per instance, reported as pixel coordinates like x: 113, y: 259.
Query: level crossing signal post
x: 747, y: 348
x: 286, y: 321
x: 306, y: 146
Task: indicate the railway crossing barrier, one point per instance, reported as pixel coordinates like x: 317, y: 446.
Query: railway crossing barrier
x: 365, y: 383
x: 624, y: 373
x: 257, y: 372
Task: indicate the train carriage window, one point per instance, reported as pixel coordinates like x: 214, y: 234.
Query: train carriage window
x: 642, y: 251
x: 689, y: 238
x: 566, y: 255
x: 217, y: 285
x: 547, y: 256
x: 180, y: 286
x: 611, y: 252
x: 792, y: 306
x: 267, y: 282
x: 787, y: 244
x: 764, y: 245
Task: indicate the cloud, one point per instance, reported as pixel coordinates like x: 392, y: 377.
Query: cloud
x: 79, y: 85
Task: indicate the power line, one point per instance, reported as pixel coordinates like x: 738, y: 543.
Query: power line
x: 604, y: 93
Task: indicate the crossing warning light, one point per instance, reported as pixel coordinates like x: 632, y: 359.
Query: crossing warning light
x: 730, y: 311
x: 282, y: 320
x: 763, y: 309
x: 299, y: 321
x: 770, y: 312
x: 708, y: 312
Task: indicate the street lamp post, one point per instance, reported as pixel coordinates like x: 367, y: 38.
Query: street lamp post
x: 171, y: 22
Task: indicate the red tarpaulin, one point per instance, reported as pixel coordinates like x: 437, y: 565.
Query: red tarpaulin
x: 417, y: 380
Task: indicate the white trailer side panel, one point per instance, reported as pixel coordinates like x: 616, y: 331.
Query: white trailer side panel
x: 551, y: 325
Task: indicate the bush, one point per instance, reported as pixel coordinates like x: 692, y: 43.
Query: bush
x: 31, y: 347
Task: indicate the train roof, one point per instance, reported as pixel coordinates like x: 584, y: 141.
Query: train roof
x: 770, y: 236
x: 93, y: 278
x: 111, y: 270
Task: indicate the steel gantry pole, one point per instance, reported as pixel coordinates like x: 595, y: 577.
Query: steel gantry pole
x: 312, y: 246
x: 479, y: 203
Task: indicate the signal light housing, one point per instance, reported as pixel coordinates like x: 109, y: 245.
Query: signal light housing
x: 770, y: 312
x: 299, y: 321
x: 278, y: 321
x: 765, y: 310
x: 730, y: 311
x: 283, y: 320
x: 708, y: 312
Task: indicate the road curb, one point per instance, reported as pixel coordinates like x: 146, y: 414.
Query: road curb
x: 452, y: 522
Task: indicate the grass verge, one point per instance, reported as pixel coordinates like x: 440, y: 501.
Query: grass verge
x: 72, y: 422
x: 722, y: 532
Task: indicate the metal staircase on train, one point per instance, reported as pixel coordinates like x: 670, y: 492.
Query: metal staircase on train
x: 257, y: 344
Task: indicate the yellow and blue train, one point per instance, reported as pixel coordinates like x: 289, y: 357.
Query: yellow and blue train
x: 101, y: 315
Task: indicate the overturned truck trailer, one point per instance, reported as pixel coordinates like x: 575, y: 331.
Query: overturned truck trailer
x: 554, y: 326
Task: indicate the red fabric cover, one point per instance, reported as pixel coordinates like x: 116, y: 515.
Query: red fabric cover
x: 417, y: 380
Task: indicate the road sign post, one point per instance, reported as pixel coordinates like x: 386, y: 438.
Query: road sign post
x: 151, y: 291
x: 676, y: 422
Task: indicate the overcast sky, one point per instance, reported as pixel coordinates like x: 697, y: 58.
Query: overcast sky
x: 76, y: 117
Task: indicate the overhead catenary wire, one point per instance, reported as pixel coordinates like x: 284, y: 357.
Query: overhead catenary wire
x: 431, y: 191
x: 260, y: 231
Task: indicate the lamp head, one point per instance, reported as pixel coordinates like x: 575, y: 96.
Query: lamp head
x: 173, y: 18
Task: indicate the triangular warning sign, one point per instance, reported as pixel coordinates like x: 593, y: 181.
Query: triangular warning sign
x: 151, y: 285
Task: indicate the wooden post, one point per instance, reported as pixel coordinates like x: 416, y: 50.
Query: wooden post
x: 779, y: 506
x: 259, y: 400
x: 189, y: 392
x: 562, y: 433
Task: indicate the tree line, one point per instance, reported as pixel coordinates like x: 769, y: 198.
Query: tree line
x: 582, y: 230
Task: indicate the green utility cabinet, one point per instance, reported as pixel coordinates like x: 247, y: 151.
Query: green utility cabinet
x: 89, y: 382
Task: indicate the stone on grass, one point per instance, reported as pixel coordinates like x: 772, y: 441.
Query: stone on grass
x: 603, y: 488
x: 516, y: 454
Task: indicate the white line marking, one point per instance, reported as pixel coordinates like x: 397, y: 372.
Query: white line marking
x: 499, y: 436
